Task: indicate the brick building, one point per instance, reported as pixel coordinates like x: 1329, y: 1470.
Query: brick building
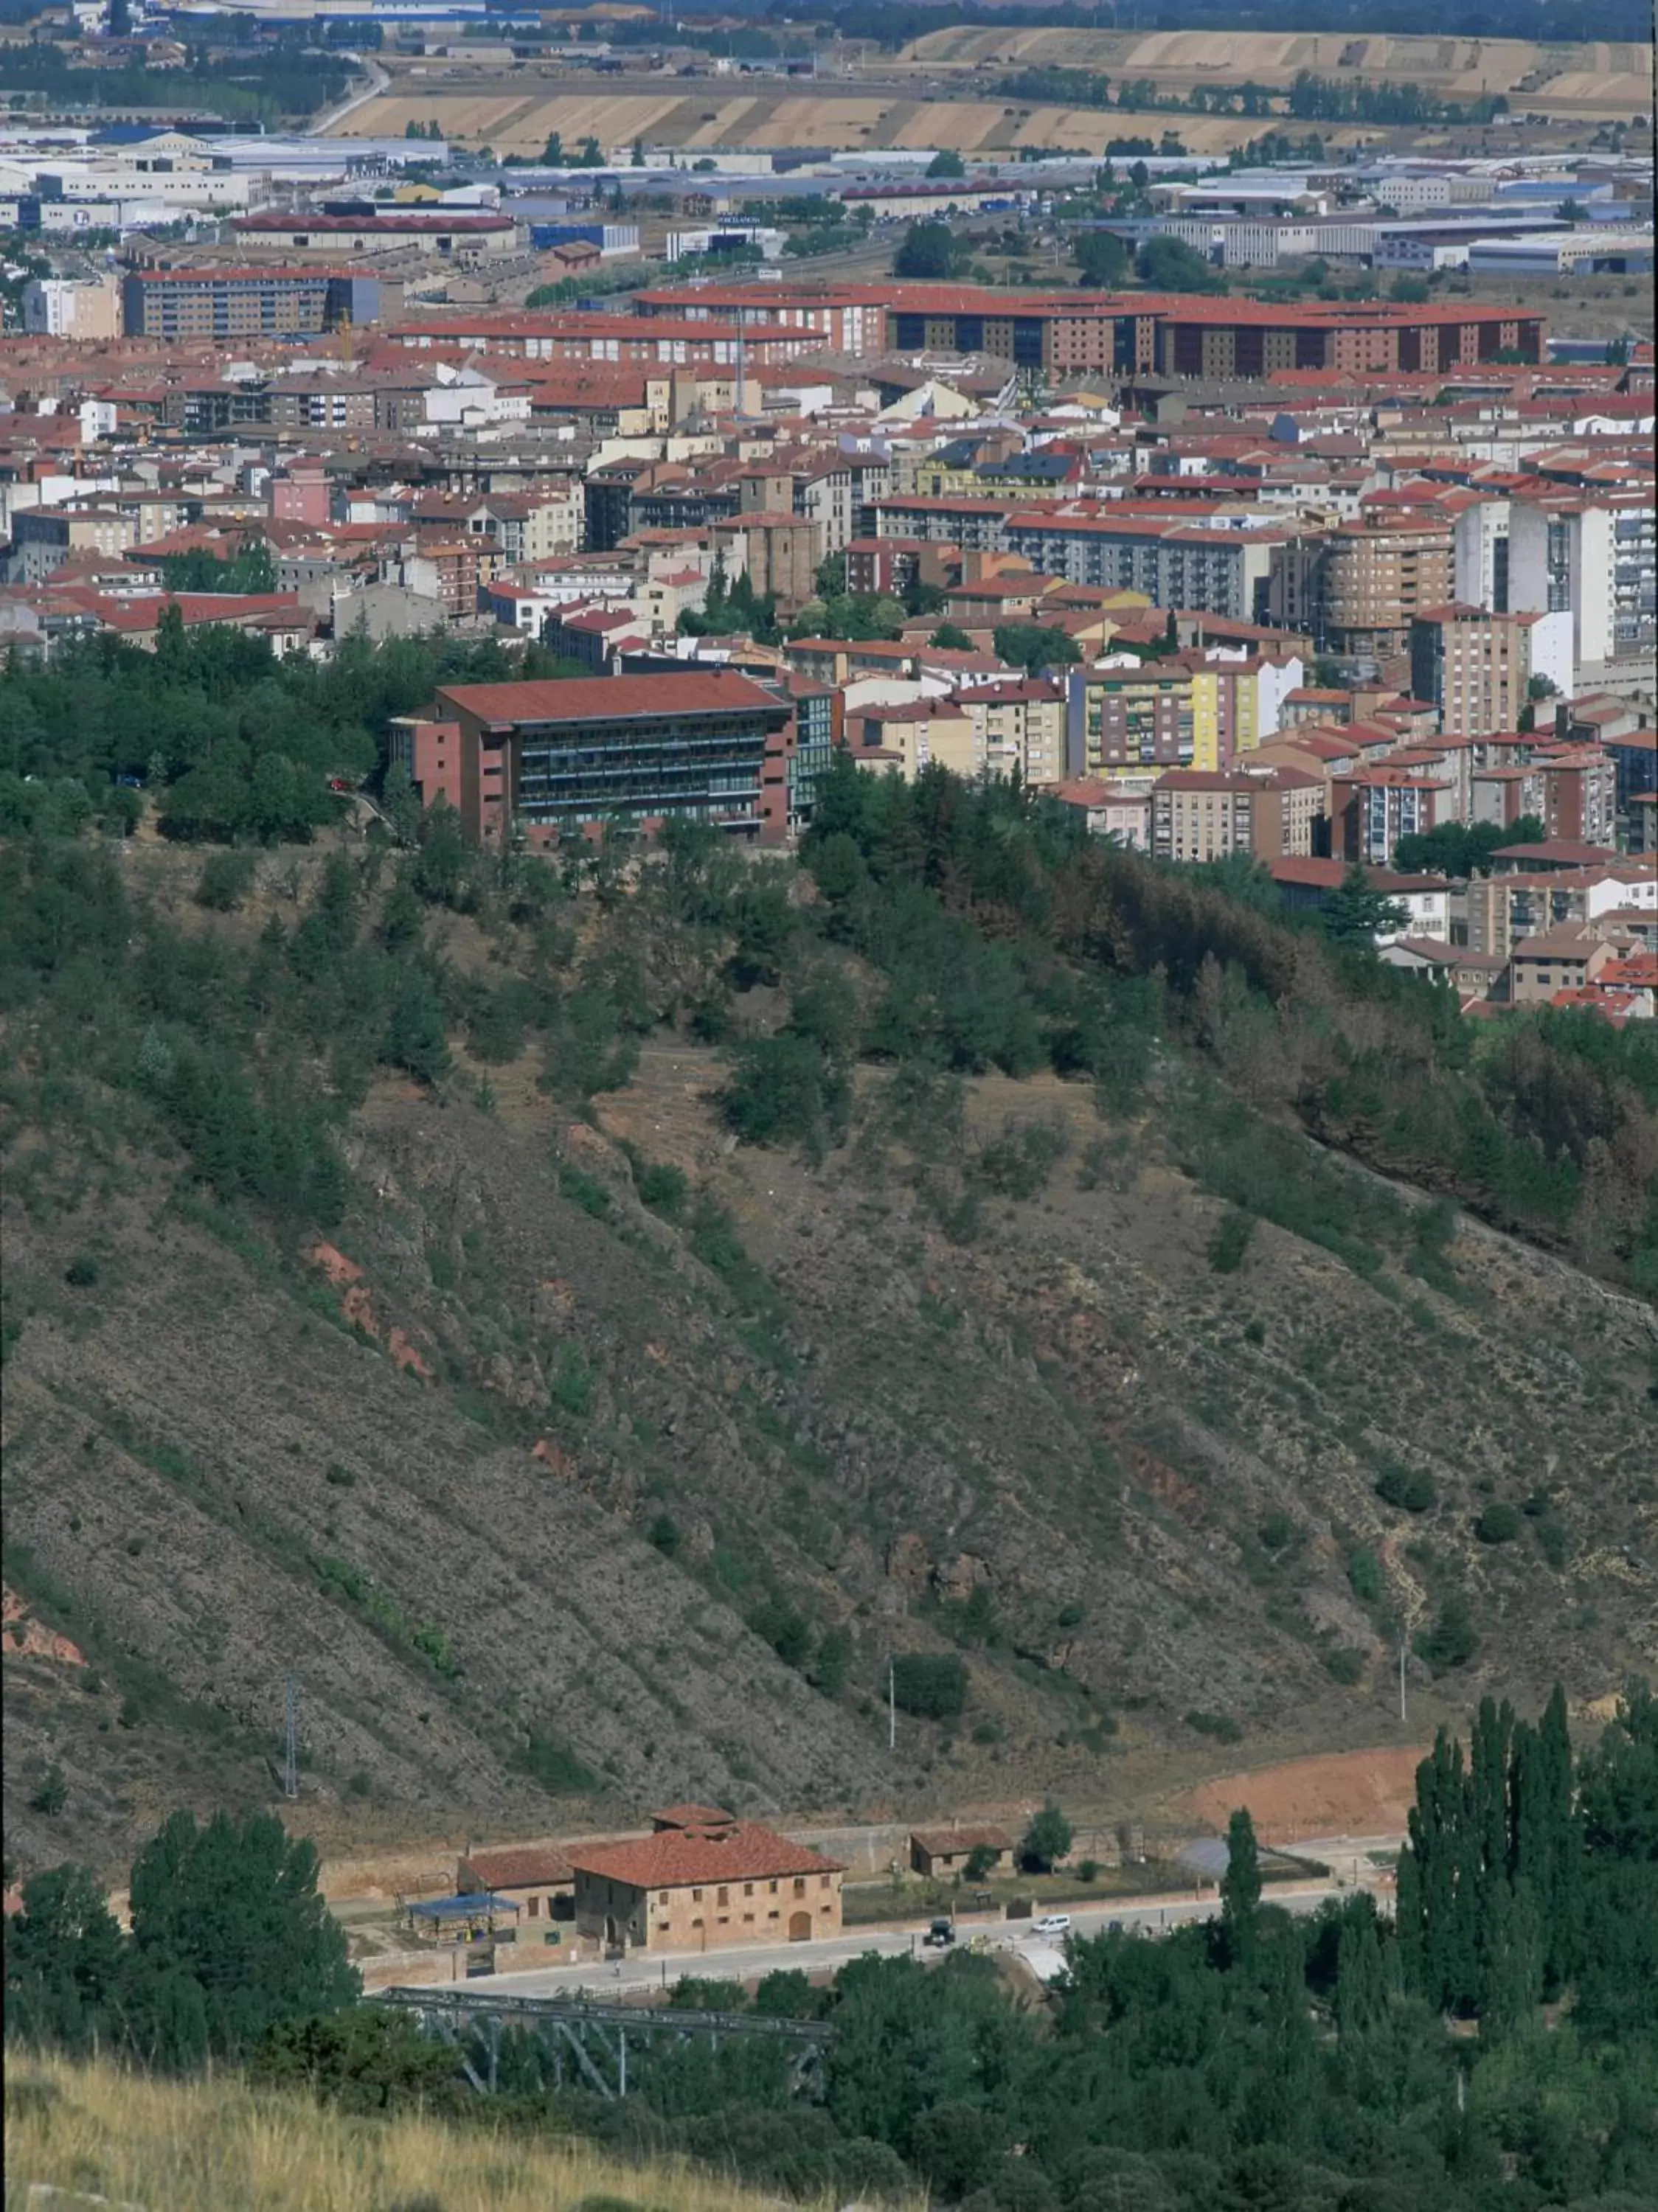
x: 624, y: 751
x: 698, y: 1888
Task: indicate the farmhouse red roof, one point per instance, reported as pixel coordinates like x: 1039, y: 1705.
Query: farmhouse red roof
x: 679, y: 1856
x: 517, y: 1867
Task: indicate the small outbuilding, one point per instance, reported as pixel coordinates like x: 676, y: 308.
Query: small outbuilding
x: 537, y: 1879
x: 947, y: 1850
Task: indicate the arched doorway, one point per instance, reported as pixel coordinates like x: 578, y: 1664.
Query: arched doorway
x: 800, y: 1927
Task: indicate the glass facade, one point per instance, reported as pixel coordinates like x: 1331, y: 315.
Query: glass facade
x: 700, y: 768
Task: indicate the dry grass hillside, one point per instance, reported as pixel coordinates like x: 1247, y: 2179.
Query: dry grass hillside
x: 523, y: 1479
x: 94, y: 2135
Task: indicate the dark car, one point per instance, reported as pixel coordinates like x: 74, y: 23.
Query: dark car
x: 939, y: 1934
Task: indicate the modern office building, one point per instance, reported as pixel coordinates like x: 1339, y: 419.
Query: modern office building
x: 561, y: 759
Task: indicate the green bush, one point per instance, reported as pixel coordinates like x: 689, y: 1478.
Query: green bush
x: 1499, y: 1524
x: 554, y: 1766
x: 1221, y: 1726
x: 82, y: 1271
x: 932, y: 1686
x: 1409, y: 1488
x: 1344, y: 1665
x: 571, y: 1388
x: 783, y: 1090
x: 1364, y: 1574
x: 1452, y: 1641
x: 661, y: 1187
x: 1018, y: 1163
x: 776, y: 1623
x: 1277, y: 1532
x: 584, y: 1190
x: 1230, y: 1241
x: 225, y: 881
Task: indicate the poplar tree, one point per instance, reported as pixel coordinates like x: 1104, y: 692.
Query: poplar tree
x: 1240, y: 1889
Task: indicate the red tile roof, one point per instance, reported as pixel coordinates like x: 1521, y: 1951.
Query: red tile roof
x: 611, y: 698
x: 679, y: 1856
x: 692, y: 1816
x: 519, y: 1868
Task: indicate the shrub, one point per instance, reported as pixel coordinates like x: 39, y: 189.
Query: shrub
x: 932, y: 1686
x: 1344, y: 1665
x: 52, y: 1794
x: 82, y: 1271
x: 1552, y: 1542
x: 1069, y: 1616
x: 661, y: 1187
x: 1277, y: 1532
x: 776, y: 1623
x: 571, y: 1389
x: 340, y: 1477
x: 827, y: 1673
x: 1087, y: 1869
x: 664, y: 1534
x: 1018, y: 1163
x: 1409, y: 1488
x: 1227, y: 1246
x: 1221, y: 1726
x: 555, y: 1766
x: 1364, y: 1574
x: 1453, y: 1639
x: 1499, y: 1524
x: 225, y: 881
x: 783, y: 1090
x: 584, y: 1190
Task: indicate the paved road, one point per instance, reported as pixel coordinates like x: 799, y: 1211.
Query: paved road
x: 1152, y: 1916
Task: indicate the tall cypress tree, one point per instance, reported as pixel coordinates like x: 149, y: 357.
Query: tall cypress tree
x: 1240, y: 1888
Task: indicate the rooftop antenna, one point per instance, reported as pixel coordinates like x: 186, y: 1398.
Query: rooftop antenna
x: 290, y: 1751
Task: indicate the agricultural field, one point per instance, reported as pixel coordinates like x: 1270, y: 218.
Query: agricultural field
x: 942, y: 91
x: 710, y: 117
x: 1600, y: 80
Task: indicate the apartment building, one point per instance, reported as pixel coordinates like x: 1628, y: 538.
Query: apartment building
x: 44, y: 537
x: 1123, y: 718
x: 1372, y: 808
x: 1578, y: 796
x: 72, y: 308
x: 1222, y: 568
x: 1018, y: 728
x: 1357, y: 588
x: 209, y: 302
x: 1474, y: 667
x: 1204, y: 815
x: 1596, y: 560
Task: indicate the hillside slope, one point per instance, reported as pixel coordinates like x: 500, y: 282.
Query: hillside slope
x: 502, y: 1473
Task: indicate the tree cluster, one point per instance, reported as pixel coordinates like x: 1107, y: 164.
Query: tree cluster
x: 1256, y: 2063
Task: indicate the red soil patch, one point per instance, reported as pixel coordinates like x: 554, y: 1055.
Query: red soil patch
x: 358, y: 1307
x: 1352, y: 1793
x: 33, y: 1639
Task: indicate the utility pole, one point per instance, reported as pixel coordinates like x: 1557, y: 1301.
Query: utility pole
x: 290, y: 1758
x: 892, y: 1703
x: 1403, y: 1722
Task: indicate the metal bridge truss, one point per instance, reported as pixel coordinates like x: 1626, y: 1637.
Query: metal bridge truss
x: 589, y: 2043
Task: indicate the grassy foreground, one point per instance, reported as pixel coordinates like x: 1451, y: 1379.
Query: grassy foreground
x: 208, y: 2144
